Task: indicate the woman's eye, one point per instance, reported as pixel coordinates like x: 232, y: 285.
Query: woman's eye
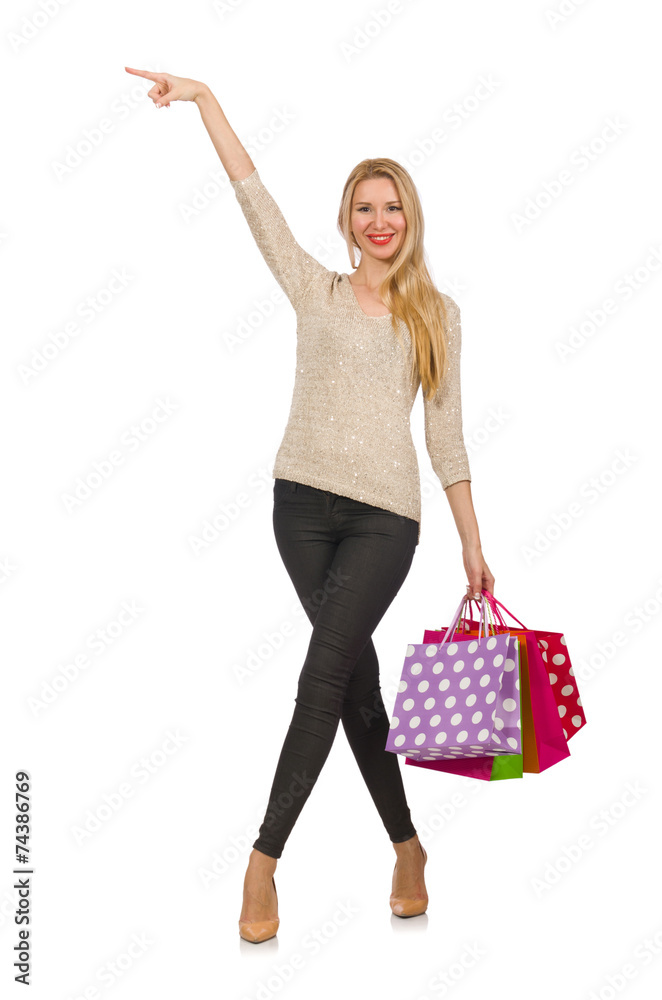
x: 397, y: 208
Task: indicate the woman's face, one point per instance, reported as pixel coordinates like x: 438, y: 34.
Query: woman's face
x: 377, y: 212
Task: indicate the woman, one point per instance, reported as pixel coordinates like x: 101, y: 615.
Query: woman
x: 346, y: 511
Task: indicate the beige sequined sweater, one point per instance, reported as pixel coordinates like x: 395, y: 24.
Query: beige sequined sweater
x: 348, y: 429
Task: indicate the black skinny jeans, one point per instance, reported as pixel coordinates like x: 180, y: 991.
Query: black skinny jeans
x: 347, y: 561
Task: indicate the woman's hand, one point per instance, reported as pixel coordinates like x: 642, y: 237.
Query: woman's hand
x: 169, y: 88
x: 477, y: 571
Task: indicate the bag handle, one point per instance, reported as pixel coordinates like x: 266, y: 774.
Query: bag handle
x: 457, y: 615
x: 494, y: 602
x: 493, y: 610
x: 492, y: 614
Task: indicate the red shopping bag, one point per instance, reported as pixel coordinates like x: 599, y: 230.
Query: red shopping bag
x: 556, y: 658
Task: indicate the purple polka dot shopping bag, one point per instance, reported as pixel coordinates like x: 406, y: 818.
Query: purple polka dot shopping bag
x: 458, y: 698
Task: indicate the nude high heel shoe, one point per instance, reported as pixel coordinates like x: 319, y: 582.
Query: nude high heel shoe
x: 257, y: 931
x: 402, y: 906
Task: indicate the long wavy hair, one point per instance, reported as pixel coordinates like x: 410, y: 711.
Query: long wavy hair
x: 407, y: 289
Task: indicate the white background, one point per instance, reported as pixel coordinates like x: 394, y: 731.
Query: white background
x: 351, y: 88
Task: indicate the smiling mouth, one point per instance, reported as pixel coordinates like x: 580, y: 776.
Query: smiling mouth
x: 381, y: 239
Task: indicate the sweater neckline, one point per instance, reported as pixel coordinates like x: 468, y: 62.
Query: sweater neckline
x: 358, y: 304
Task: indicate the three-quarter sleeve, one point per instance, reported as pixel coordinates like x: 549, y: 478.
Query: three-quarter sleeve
x: 443, y: 413
x: 289, y: 263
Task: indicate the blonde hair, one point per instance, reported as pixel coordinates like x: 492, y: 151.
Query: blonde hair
x: 407, y: 289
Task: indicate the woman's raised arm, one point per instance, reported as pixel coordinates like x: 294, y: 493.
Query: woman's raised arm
x: 168, y: 88
x: 293, y: 268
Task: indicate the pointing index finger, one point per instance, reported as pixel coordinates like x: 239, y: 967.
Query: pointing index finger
x: 157, y: 77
